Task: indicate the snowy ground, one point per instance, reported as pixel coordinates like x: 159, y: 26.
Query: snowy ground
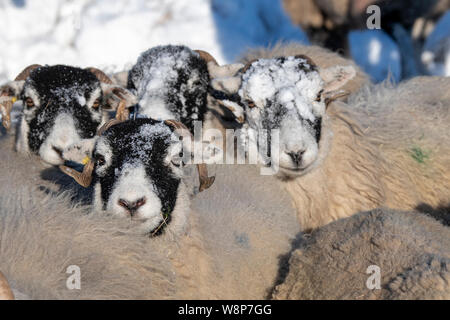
x: 111, y: 34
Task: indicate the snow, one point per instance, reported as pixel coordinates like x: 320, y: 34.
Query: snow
x: 156, y: 73
x: 282, y: 82
x: 376, y: 53
x: 111, y: 34
x: 436, y: 52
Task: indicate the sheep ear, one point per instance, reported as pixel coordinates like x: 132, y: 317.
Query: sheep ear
x: 336, y: 77
x: 80, y: 152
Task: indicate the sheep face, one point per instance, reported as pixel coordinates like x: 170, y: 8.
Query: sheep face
x: 282, y: 94
x: 61, y: 107
x: 287, y: 94
x: 170, y: 82
x: 137, y: 173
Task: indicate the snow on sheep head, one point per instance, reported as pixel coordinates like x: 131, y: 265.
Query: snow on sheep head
x: 62, y: 105
x: 288, y: 94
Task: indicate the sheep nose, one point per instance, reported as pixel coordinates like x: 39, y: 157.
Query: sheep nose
x: 132, y: 207
x: 296, y: 156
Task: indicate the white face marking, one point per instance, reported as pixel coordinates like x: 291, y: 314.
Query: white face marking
x: 63, y: 135
x: 284, y: 96
x: 133, y: 185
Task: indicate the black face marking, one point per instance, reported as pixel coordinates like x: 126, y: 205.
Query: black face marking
x: 189, y: 102
x: 127, y: 144
x: 58, y: 88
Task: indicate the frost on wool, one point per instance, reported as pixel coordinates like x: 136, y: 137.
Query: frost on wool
x: 270, y: 80
x: 281, y: 90
x: 170, y: 82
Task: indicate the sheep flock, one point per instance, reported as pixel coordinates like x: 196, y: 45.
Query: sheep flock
x: 99, y: 173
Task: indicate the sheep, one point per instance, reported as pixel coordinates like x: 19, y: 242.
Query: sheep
x: 386, y: 147
x: 220, y: 253
x: 137, y: 170
x: 62, y: 105
x: 324, y: 58
x: 408, y: 250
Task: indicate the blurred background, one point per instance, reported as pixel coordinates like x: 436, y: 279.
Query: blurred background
x: 413, y: 39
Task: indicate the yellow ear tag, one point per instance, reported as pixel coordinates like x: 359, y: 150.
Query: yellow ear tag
x: 85, y: 160
x: 14, y: 99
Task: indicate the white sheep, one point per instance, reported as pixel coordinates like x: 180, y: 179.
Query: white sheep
x: 386, y: 147
x: 220, y: 253
x: 379, y: 254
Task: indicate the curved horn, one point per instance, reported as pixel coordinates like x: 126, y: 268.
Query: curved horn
x: 205, y: 180
x: 206, y: 56
x: 101, y: 76
x: 122, y: 112
x: 26, y: 72
x: 107, y: 125
x: 247, y: 66
x: 5, y: 290
x: 84, y: 178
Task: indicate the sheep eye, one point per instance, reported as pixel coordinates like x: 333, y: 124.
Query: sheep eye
x: 251, y: 104
x: 29, y: 103
x: 100, y: 160
x: 96, y: 104
x: 319, y: 96
x: 178, y: 161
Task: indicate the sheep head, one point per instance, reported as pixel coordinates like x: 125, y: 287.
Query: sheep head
x: 62, y: 105
x: 137, y: 167
x: 288, y: 94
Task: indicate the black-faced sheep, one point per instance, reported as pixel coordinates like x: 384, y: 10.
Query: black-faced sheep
x: 383, y: 148
x: 380, y: 254
x: 61, y: 106
x: 137, y: 167
x: 220, y: 253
